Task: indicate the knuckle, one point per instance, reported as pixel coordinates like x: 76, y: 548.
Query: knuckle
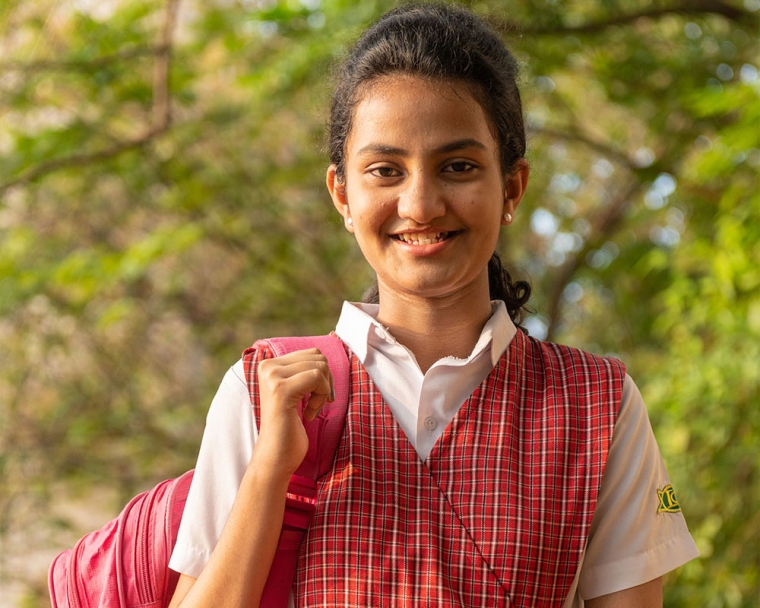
x: 265, y: 368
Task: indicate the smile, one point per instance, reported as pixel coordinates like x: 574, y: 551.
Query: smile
x: 423, y: 238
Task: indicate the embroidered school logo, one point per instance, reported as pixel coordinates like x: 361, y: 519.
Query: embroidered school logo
x: 668, y: 500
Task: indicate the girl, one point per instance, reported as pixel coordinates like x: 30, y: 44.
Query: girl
x: 478, y: 466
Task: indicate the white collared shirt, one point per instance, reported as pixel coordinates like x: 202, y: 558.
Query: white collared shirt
x: 423, y: 404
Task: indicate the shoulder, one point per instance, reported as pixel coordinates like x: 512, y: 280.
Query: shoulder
x: 574, y: 363
x: 233, y: 385
x: 253, y: 355
x: 638, y: 531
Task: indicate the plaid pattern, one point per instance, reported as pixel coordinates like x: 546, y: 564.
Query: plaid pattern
x: 499, y: 513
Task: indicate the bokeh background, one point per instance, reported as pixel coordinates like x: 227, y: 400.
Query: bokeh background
x: 162, y: 206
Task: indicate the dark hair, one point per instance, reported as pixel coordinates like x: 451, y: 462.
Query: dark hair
x: 444, y: 42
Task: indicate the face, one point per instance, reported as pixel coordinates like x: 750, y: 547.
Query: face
x: 423, y: 190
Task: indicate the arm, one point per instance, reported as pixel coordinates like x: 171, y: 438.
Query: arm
x: 648, y: 595
x: 236, y: 573
x: 631, y: 541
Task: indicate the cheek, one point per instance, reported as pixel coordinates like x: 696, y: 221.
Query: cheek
x: 369, y: 210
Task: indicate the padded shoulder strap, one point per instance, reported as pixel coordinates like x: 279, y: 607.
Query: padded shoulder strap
x: 324, y: 434
x: 325, y: 430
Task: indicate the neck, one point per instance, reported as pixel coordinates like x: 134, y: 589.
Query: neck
x: 434, y: 328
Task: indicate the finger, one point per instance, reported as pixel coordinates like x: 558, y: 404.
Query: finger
x: 321, y: 392
x: 314, y: 403
x: 279, y: 369
x: 297, y: 355
x: 289, y: 385
x: 312, y: 408
x: 316, y: 356
x: 301, y: 380
x: 331, y: 398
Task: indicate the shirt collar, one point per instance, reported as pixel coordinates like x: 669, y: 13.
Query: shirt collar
x: 358, y: 325
x: 354, y: 325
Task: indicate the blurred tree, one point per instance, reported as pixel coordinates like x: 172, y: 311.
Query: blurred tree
x: 163, y: 205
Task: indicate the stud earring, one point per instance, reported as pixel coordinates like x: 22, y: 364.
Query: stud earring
x: 507, y: 218
x: 349, y: 222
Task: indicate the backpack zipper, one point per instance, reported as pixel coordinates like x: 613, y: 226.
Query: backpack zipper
x: 73, y: 590
x: 144, y: 535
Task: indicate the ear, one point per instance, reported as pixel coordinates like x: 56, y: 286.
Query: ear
x: 515, y: 185
x: 337, y: 191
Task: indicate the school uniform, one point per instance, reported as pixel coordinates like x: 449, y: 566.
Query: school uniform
x: 525, y: 472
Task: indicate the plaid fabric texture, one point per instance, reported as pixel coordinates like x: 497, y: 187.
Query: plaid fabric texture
x: 499, y: 513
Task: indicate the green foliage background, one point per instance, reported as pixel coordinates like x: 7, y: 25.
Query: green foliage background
x: 162, y: 205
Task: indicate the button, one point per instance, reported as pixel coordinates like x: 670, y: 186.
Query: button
x: 384, y: 334
x: 431, y: 423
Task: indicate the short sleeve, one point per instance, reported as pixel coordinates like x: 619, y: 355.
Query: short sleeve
x: 636, y: 536
x: 225, y: 452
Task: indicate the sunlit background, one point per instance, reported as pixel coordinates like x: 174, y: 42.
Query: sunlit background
x: 162, y: 206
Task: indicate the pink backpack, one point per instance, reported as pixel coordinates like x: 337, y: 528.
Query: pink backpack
x: 125, y: 563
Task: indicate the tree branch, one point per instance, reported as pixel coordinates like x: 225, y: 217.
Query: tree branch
x: 160, y: 119
x: 601, y: 147
x: 687, y: 7
x: 161, y: 113
x: 82, y: 65
x: 76, y: 160
x: 602, y: 227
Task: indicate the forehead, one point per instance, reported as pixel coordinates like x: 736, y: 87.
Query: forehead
x: 410, y: 110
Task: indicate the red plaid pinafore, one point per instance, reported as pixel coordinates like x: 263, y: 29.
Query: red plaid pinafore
x: 499, y: 513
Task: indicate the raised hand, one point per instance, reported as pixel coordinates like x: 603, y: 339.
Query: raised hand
x: 292, y: 388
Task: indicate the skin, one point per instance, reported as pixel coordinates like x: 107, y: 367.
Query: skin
x: 422, y: 164
x: 648, y: 595
x: 421, y: 159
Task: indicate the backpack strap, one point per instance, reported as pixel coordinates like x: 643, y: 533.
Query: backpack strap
x: 325, y: 430
x: 324, y: 434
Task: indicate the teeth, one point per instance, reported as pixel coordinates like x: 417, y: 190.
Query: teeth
x: 421, y: 238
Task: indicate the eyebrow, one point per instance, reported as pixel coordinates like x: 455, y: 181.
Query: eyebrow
x: 459, y: 144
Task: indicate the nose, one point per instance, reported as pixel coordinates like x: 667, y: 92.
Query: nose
x: 422, y: 199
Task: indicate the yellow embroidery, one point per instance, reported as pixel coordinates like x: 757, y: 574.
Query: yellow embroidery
x: 668, y: 500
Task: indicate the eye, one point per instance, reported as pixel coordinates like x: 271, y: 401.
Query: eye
x: 384, y: 172
x: 459, y: 166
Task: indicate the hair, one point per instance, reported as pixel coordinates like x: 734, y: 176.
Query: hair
x: 444, y: 42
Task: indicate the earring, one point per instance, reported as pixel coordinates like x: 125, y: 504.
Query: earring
x: 350, y: 222
x: 507, y: 218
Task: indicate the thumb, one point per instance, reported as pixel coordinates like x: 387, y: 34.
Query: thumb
x: 313, y: 405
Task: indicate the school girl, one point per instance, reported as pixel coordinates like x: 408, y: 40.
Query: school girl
x: 478, y: 466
